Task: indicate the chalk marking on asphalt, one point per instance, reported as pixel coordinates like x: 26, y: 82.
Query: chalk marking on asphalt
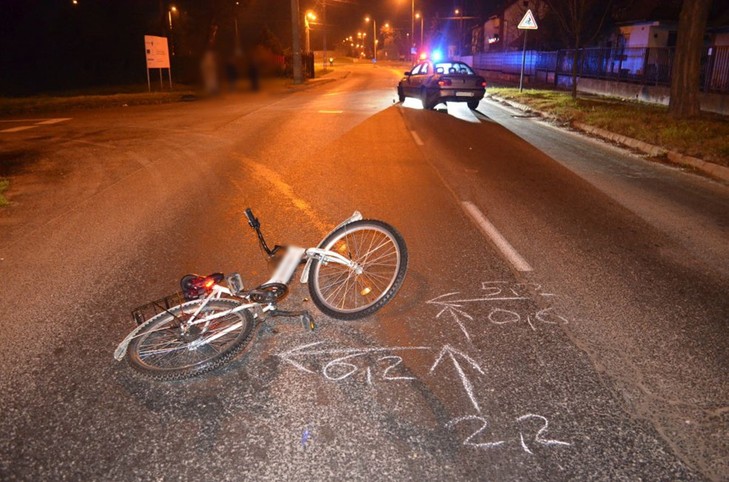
x: 18, y: 129
x: 507, y: 250
x: 331, y: 111
x: 53, y: 121
x: 417, y: 138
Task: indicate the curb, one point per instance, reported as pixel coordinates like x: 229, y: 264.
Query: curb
x: 649, y: 149
x: 715, y: 171
x: 709, y: 168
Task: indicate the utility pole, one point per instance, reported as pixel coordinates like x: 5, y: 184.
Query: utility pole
x: 324, y: 31
x: 412, y: 29
x: 296, y: 43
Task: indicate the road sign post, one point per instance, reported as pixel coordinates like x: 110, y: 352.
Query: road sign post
x: 158, y: 57
x: 527, y: 23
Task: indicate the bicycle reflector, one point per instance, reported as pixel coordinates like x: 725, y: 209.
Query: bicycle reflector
x: 194, y: 286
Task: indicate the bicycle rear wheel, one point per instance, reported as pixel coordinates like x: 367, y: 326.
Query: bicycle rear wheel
x: 163, y: 352
x: 379, y: 250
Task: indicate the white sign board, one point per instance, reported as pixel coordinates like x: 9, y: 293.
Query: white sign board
x: 528, y: 22
x: 158, y: 56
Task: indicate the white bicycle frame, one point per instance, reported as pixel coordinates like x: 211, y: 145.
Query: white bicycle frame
x: 282, y: 275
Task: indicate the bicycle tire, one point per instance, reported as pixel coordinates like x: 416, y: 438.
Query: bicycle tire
x: 159, y: 351
x: 343, y: 294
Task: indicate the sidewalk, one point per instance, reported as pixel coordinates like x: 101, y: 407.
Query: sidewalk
x: 710, y: 169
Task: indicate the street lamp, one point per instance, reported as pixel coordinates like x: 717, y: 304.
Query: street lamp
x: 460, y: 31
x: 421, y: 17
x: 169, y: 14
x: 374, y: 37
x: 412, y: 27
x: 238, y: 51
x: 309, y: 16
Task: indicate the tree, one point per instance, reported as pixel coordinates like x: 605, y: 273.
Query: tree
x: 686, y: 68
x: 582, y: 22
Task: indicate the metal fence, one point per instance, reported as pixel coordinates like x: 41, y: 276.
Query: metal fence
x: 649, y: 66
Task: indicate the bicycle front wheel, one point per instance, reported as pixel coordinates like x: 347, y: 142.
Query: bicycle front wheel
x: 164, y: 351
x: 379, y: 251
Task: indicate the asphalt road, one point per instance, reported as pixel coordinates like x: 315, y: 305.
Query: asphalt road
x: 597, y: 349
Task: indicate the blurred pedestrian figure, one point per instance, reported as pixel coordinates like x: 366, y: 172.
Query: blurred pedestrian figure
x: 209, y: 71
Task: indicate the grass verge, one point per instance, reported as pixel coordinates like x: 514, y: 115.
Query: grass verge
x: 4, y: 184
x: 51, y: 103
x: 706, y: 137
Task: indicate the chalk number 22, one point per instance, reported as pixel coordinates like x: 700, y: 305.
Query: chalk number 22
x: 538, y: 437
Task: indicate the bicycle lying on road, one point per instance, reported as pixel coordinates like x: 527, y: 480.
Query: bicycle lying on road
x: 353, y: 272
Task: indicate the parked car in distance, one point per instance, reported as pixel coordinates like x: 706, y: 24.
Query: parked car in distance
x: 442, y: 81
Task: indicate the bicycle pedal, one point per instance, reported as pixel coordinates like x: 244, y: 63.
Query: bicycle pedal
x: 235, y: 283
x: 308, y: 322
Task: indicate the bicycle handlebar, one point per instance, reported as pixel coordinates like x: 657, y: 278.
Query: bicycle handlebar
x: 255, y: 224
x: 252, y: 221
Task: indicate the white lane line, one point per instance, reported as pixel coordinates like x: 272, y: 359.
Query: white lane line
x: 272, y: 177
x: 18, y: 121
x: 53, y: 121
x: 417, y: 138
x: 18, y: 129
x: 501, y: 243
x: 331, y: 111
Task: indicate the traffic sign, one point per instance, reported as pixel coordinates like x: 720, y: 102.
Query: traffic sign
x: 528, y: 22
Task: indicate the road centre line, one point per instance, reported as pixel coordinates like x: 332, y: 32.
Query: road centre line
x: 417, y: 138
x: 37, y: 122
x: 507, y: 250
x: 53, y: 121
x: 331, y: 111
x: 18, y: 129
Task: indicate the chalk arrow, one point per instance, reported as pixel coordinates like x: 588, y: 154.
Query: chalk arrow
x: 302, y: 351
x: 298, y: 351
x: 443, y: 300
x: 453, y: 309
x: 467, y: 386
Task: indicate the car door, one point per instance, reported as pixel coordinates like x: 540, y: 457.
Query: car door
x: 411, y: 85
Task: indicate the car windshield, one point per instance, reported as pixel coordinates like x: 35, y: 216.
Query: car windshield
x: 453, y: 68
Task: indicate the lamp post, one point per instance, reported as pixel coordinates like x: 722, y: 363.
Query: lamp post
x: 309, y: 16
x: 374, y: 37
x: 412, y: 28
x: 238, y: 51
x: 460, y: 31
x: 169, y: 14
x: 421, y: 17
x: 170, y: 11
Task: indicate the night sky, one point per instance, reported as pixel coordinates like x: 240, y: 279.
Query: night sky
x: 50, y: 45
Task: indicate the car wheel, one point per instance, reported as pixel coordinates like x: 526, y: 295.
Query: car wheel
x: 428, y: 102
x: 473, y: 104
x: 400, y: 94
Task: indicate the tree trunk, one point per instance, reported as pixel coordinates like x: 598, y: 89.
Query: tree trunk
x: 686, y: 70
